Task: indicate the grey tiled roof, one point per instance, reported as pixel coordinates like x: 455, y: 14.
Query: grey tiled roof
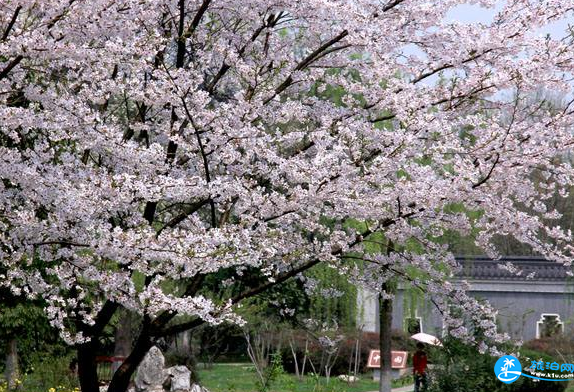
x: 483, y: 268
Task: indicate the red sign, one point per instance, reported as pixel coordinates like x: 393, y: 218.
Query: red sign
x: 398, y: 359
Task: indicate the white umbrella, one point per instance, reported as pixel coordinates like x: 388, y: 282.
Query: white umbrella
x: 426, y: 338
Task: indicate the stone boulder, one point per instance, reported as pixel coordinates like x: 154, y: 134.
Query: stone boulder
x: 349, y: 379
x: 150, y: 374
x: 198, y: 388
x: 180, y: 377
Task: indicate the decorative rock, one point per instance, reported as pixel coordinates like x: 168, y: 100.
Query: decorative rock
x: 150, y: 374
x: 349, y: 379
x: 152, y: 377
x: 180, y: 378
x: 198, y: 388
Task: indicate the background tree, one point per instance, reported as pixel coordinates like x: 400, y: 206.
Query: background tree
x: 24, y: 334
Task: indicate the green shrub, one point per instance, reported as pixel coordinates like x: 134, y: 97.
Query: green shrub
x: 461, y: 368
x: 50, y: 372
x: 525, y: 384
x: 559, y: 345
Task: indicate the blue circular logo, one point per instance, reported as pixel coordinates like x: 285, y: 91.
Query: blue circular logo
x: 508, y: 369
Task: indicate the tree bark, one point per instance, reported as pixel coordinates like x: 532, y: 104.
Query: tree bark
x: 121, y: 378
x: 12, y: 368
x: 87, y: 367
x: 186, y: 341
x: 123, y: 337
x: 385, y: 325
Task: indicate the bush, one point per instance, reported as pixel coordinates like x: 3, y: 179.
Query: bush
x: 560, y: 345
x: 525, y: 384
x: 222, y: 343
x: 50, y: 372
x: 178, y: 356
x: 461, y: 368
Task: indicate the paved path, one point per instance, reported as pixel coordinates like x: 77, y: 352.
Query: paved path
x: 408, y: 388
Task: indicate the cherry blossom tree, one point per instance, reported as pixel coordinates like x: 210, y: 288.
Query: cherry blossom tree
x: 149, y: 146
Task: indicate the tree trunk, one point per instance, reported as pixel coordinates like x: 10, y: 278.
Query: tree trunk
x: 12, y: 368
x: 121, y: 378
x: 186, y: 341
x: 305, y: 357
x: 87, y: 367
x: 123, y: 338
x: 357, y: 354
x: 385, y: 325
x: 292, y: 346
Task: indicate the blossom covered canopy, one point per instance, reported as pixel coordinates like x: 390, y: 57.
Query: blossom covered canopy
x: 148, y: 141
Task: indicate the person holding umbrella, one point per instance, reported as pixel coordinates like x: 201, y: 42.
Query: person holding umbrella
x: 420, y: 359
x: 420, y: 368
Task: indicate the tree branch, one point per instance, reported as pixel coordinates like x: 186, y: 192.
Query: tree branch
x: 197, y: 19
x: 485, y: 178
x: 392, y: 4
x: 63, y: 242
x: 188, y: 212
x: 205, y: 164
x: 316, y: 54
x: 270, y: 22
x: 439, y: 102
x: 448, y: 66
x: 103, y: 318
x: 11, y: 23
x: 11, y: 66
x: 180, y: 56
x: 166, y: 316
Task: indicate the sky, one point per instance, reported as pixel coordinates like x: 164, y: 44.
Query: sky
x: 474, y: 13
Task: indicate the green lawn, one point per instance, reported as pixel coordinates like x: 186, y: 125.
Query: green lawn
x: 242, y: 378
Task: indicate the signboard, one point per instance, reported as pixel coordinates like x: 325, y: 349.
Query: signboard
x: 398, y: 359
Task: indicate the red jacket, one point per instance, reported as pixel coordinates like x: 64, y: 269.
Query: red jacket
x: 419, y: 362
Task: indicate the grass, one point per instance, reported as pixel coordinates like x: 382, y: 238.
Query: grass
x: 242, y: 378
